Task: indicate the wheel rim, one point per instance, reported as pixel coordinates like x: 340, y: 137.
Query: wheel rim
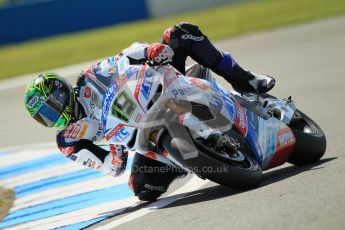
x: 237, y: 158
x: 303, y: 125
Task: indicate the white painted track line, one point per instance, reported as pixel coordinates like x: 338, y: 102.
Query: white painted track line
x: 26, y: 155
x: 44, y: 173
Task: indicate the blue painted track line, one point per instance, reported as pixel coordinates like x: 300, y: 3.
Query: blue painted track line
x: 29, y: 166
x: 57, y: 181
x: 68, y: 204
x: 63, y: 205
x: 61, y: 180
x: 82, y: 224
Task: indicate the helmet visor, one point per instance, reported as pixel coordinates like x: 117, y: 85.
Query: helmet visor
x: 51, y: 110
x: 47, y: 115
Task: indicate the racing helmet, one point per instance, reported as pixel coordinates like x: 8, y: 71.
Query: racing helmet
x: 50, y: 99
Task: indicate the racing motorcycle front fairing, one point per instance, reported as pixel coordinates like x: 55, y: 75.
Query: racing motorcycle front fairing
x: 145, y: 93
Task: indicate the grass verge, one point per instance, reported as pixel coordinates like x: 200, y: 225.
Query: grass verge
x: 6, y: 202
x: 217, y: 23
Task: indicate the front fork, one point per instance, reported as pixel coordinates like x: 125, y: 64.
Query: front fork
x: 180, y: 135
x: 179, y: 132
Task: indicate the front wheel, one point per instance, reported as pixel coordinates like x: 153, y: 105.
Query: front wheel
x: 237, y: 170
x: 310, y: 140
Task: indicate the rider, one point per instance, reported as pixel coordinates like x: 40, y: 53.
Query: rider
x: 53, y: 102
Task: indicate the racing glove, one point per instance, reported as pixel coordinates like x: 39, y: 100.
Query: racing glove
x: 159, y: 53
x: 116, y: 161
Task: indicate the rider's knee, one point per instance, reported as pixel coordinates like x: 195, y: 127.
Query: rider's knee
x: 143, y: 189
x: 149, y: 178
x: 189, y: 28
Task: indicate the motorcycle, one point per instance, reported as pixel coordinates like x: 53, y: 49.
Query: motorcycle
x: 164, y: 115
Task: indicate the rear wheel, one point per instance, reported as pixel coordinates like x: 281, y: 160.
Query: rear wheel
x: 236, y: 169
x: 310, y: 140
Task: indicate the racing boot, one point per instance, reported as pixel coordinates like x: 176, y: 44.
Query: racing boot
x: 241, y: 80
x: 249, y: 82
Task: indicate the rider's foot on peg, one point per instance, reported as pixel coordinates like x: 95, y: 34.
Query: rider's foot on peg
x: 262, y: 83
x: 246, y: 81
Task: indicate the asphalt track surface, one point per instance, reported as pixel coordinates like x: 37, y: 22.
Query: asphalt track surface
x: 308, y: 62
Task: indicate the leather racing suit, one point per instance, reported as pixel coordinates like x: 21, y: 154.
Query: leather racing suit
x: 78, y: 141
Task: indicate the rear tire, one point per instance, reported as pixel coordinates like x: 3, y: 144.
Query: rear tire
x: 310, y: 141
x: 209, y: 165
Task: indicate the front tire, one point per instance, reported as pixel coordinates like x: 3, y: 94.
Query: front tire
x: 310, y: 140
x: 209, y: 164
